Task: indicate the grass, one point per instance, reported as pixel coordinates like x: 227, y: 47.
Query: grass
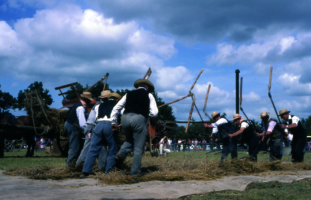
x: 271, y: 190
x: 175, y: 166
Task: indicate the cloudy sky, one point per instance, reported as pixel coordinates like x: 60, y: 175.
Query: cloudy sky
x: 59, y: 42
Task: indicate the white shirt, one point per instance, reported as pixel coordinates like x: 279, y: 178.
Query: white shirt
x: 294, y: 119
x: 164, y: 144
x: 153, y: 111
x: 244, y: 125
x: 81, y: 116
x: 218, y: 123
x: 290, y: 137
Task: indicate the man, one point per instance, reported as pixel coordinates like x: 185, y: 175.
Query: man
x: 174, y: 144
x: 248, y: 134
x: 299, y: 138
x: 102, y: 134
x: 273, y: 129
x: 225, y: 128
x: 90, y: 124
x: 139, y: 105
x: 76, y: 122
x: 164, y: 146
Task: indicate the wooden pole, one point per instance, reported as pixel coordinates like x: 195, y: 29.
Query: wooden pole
x: 175, y: 100
x: 189, y: 118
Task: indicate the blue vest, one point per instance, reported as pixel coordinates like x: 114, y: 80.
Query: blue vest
x: 225, y: 129
x: 105, y: 108
x: 72, y: 117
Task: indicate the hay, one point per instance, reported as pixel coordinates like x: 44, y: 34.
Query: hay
x: 166, y: 169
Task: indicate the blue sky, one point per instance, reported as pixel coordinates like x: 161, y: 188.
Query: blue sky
x: 59, y: 42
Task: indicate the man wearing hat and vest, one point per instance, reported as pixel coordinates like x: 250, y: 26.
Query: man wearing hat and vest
x: 299, y: 135
x: 75, y: 122
x: 248, y: 134
x: 272, y: 128
x: 225, y: 128
x: 139, y: 105
x: 102, y: 134
x: 90, y: 124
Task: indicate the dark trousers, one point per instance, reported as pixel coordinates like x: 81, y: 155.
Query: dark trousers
x: 229, y: 146
x: 75, y: 142
x: 101, y: 135
x: 298, y: 145
x: 276, y: 148
x: 253, y: 146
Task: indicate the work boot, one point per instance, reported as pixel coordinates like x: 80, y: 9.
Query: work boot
x: 119, y: 160
x: 84, y: 174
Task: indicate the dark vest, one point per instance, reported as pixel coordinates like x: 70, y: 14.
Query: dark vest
x: 248, y: 133
x: 298, y: 131
x: 105, y: 108
x: 277, y: 130
x: 72, y: 117
x: 226, y: 128
x: 137, y: 101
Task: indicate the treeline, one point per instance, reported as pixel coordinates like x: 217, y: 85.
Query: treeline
x: 195, y: 130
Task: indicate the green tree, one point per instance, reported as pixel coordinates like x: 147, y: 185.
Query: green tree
x: 7, y: 101
x: 307, y: 125
x: 46, y: 97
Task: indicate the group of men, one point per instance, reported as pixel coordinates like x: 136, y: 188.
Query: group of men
x: 275, y: 132
x: 101, y: 128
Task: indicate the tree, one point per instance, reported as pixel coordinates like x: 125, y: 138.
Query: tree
x: 46, y: 97
x: 7, y: 101
x: 307, y: 125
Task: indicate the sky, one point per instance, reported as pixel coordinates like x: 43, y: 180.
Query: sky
x: 60, y: 42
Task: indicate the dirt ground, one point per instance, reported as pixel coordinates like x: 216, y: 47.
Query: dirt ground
x: 16, y: 187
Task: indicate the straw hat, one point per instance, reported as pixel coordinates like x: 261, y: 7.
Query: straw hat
x: 116, y: 95
x: 105, y: 94
x: 283, y: 112
x: 214, y: 114
x: 236, y: 116
x: 264, y: 114
x: 87, y: 95
x: 146, y: 82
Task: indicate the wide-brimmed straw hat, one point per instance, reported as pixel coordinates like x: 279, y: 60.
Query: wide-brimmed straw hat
x: 236, y: 116
x: 105, y: 94
x: 214, y: 114
x: 264, y: 114
x: 116, y: 95
x: 87, y: 95
x: 283, y: 112
x: 146, y: 82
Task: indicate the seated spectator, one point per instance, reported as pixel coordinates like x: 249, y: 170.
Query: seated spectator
x: 164, y: 146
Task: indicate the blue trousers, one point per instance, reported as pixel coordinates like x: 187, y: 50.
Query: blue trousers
x: 135, y: 130
x: 75, y: 142
x: 102, y: 134
x: 229, y: 146
x: 102, y: 157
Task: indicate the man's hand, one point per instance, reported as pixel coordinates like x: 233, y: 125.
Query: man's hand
x: 211, y: 136
x: 205, y: 124
x: 258, y: 134
x: 263, y: 138
x: 230, y: 135
x: 283, y: 126
x: 114, y: 127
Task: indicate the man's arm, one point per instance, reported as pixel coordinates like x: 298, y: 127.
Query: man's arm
x: 153, y: 112
x: 116, y: 110
x: 237, y: 133
x: 81, y: 117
